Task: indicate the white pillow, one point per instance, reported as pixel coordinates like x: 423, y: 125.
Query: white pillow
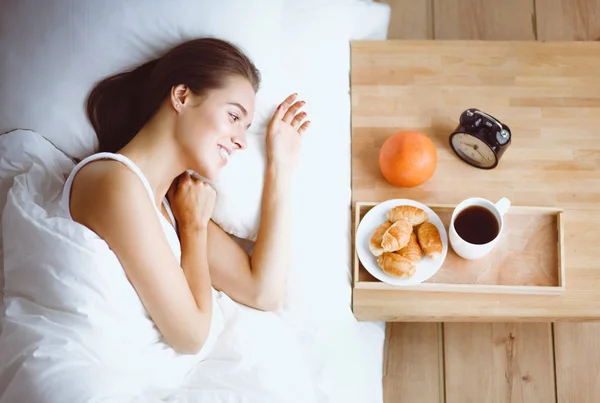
x: 315, y: 63
x: 54, y: 51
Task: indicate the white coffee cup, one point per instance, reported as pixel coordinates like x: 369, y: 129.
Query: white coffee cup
x: 468, y: 250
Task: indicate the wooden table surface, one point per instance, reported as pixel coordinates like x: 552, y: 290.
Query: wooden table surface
x: 549, y: 95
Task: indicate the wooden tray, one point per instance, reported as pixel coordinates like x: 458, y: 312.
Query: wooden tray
x: 528, y: 259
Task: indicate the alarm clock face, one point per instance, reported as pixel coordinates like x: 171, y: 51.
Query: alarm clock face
x: 473, y: 150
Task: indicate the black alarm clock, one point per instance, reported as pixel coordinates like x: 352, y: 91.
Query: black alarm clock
x: 480, y: 139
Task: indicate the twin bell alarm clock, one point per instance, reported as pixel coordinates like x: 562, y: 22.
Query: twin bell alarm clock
x: 480, y: 139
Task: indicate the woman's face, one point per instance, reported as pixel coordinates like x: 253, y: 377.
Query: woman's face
x: 210, y: 129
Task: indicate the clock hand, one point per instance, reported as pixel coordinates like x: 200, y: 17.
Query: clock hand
x: 476, y: 148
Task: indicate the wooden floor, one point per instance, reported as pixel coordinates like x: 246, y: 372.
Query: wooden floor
x: 493, y: 362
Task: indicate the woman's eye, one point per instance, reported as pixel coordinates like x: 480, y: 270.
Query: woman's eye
x: 234, y: 117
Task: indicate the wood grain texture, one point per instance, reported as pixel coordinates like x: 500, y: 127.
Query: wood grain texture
x: 410, y: 19
x: 548, y: 94
x: 501, y: 363
x: 484, y: 19
x: 577, y: 350
x: 577, y: 345
x: 412, y: 363
x: 565, y: 20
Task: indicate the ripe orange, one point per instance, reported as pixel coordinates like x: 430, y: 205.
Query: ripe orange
x: 408, y: 158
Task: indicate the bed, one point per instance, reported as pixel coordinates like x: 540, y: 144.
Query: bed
x: 58, y: 308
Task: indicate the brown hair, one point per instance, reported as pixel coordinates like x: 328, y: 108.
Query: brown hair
x: 120, y: 105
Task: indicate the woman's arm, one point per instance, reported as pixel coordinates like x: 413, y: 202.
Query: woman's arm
x: 192, y: 203
x: 194, y: 263
x: 178, y: 301
x: 271, y: 257
x: 260, y: 281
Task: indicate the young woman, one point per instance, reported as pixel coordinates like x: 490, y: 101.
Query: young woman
x: 187, y: 110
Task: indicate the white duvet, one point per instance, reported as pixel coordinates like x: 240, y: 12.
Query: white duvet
x: 68, y: 336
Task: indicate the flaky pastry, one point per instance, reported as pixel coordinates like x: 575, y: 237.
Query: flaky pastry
x: 412, y: 251
x: 413, y: 215
x: 396, y: 236
x: 377, y: 238
x: 396, y: 265
x: 430, y: 240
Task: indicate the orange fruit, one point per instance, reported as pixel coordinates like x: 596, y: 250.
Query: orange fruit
x: 407, y: 158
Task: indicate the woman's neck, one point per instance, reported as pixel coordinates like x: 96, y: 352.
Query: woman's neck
x: 155, y: 153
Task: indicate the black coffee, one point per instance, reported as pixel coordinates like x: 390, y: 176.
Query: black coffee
x: 476, y: 225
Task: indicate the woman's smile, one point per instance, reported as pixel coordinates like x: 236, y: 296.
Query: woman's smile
x: 225, y: 153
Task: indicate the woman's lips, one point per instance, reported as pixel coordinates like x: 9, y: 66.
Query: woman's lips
x: 225, y: 153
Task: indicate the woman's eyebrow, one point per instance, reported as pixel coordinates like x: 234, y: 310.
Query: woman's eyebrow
x: 239, y: 106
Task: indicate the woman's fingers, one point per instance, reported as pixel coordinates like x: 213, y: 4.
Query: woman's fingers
x: 304, y: 127
x: 292, y: 110
x: 298, y: 119
x: 195, y: 178
x: 288, y: 101
x: 284, y: 106
x: 281, y: 109
x: 287, y: 112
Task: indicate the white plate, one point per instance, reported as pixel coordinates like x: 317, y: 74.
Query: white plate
x: 426, y: 268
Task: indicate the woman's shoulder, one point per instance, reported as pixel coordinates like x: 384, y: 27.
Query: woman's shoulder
x: 102, y: 174
x: 101, y: 185
x: 101, y: 170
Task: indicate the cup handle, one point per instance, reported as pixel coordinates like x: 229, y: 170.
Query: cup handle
x: 502, y: 205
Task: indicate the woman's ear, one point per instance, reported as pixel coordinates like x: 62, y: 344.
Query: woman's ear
x: 179, y: 96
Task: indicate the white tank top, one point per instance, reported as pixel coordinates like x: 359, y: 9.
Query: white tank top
x: 217, y: 322
x: 168, y: 227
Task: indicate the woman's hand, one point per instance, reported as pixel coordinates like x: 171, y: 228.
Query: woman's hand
x: 284, y: 134
x: 192, y: 201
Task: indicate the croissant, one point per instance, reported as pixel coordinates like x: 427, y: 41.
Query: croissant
x: 413, y: 215
x: 396, y: 265
x: 429, y: 239
x: 377, y: 238
x: 396, y: 236
x: 412, y: 251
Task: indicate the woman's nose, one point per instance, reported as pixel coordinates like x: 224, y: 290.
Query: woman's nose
x: 240, y: 141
